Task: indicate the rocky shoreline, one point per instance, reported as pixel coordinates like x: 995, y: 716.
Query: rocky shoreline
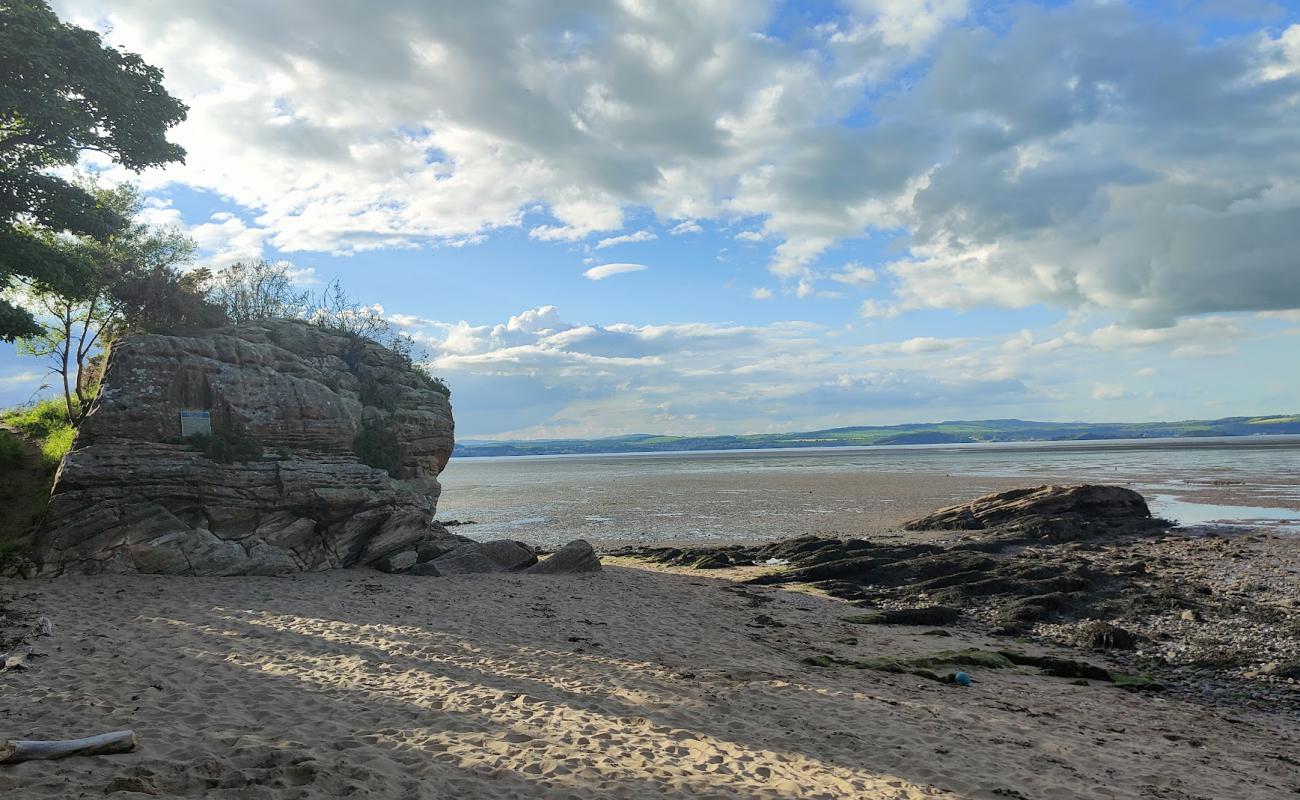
x: 1206, y: 612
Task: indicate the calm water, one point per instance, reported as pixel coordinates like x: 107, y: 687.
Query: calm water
x: 764, y: 494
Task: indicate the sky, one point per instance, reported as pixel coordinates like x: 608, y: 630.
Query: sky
x: 729, y: 216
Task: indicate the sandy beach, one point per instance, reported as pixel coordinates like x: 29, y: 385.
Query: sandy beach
x: 633, y: 682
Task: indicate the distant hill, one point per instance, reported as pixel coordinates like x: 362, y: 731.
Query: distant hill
x: 970, y: 432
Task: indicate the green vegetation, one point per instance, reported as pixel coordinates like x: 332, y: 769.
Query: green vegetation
x: 254, y: 290
x: 973, y: 432
x: 33, y: 443
x: 377, y: 445
x: 45, y: 423
x: 434, y: 383
x: 64, y: 93
x: 11, y: 449
x: 135, y: 286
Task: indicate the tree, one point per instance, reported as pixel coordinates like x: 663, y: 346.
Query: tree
x: 135, y: 286
x: 62, y: 92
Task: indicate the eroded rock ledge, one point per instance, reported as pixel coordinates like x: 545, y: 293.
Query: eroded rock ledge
x: 996, y: 562
x: 310, y: 405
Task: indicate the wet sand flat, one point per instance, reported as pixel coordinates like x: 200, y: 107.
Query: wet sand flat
x: 740, y: 496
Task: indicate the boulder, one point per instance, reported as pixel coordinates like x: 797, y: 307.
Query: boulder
x: 511, y: 555
x: 398, y: 562
x: 424, y: 570
x: 468, y: 559
x: 280, y: 486
x: 1086, y: 502
x: 576, y: 556
x: 428, y: 551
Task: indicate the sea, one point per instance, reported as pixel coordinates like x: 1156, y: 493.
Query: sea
x: 760, y: 495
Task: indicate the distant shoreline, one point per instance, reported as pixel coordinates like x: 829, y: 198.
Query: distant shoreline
x: 1250, y: 441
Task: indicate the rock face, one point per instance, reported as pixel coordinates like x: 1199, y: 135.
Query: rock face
x: 133, y: 496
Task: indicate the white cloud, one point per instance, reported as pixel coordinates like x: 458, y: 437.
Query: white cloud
x: 877, y: 308
x: 22, y: 379
x: 1046, y: 159
x: 906, y: 23
x: 539, y: 375
x: 854, y: 274
x: 689, y: 226
x: 303, y: 276
x: 926, y: 344
x: 639, y: 236
x: 1107, y: 391
x: 227, y: 239
x: 606, y: 270
x: 761, y: 293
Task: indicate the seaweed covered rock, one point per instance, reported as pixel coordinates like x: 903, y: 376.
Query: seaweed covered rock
x: 324, y: 451
x: 1029, y: 563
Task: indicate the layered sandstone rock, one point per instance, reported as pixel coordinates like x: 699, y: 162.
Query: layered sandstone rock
x: 1087, y: 502
x: 133, y: 496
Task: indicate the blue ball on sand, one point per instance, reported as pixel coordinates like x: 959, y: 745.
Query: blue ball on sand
x: 961, y: 679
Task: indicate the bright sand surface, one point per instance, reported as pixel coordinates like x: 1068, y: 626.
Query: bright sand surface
x: 628, y: 683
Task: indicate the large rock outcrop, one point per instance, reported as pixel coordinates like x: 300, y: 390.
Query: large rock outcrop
x: 133, y: 496
x: 1086, y: 502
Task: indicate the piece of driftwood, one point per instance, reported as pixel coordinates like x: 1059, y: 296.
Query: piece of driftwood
x: 13, y: 751
x: 17, y: 658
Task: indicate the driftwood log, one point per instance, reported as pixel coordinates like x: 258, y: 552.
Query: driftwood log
x: 13, y: 751
x: 17, y: 658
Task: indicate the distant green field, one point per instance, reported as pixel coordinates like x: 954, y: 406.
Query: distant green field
x: 958, y: 432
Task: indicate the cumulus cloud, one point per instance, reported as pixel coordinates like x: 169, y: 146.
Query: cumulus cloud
x: 538, y: 374
x: 1086, y: 155
x: 761, y: 293
x: 630, y: 238
x: 926, y: 344
x: 690, y: 377
x: 604, y: 271
x: 854, y: 274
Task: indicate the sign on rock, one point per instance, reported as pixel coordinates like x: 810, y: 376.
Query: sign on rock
x: 194, y: 423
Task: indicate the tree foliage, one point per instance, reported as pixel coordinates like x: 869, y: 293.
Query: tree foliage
x: 135, y: 285
x: 63, y: 92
